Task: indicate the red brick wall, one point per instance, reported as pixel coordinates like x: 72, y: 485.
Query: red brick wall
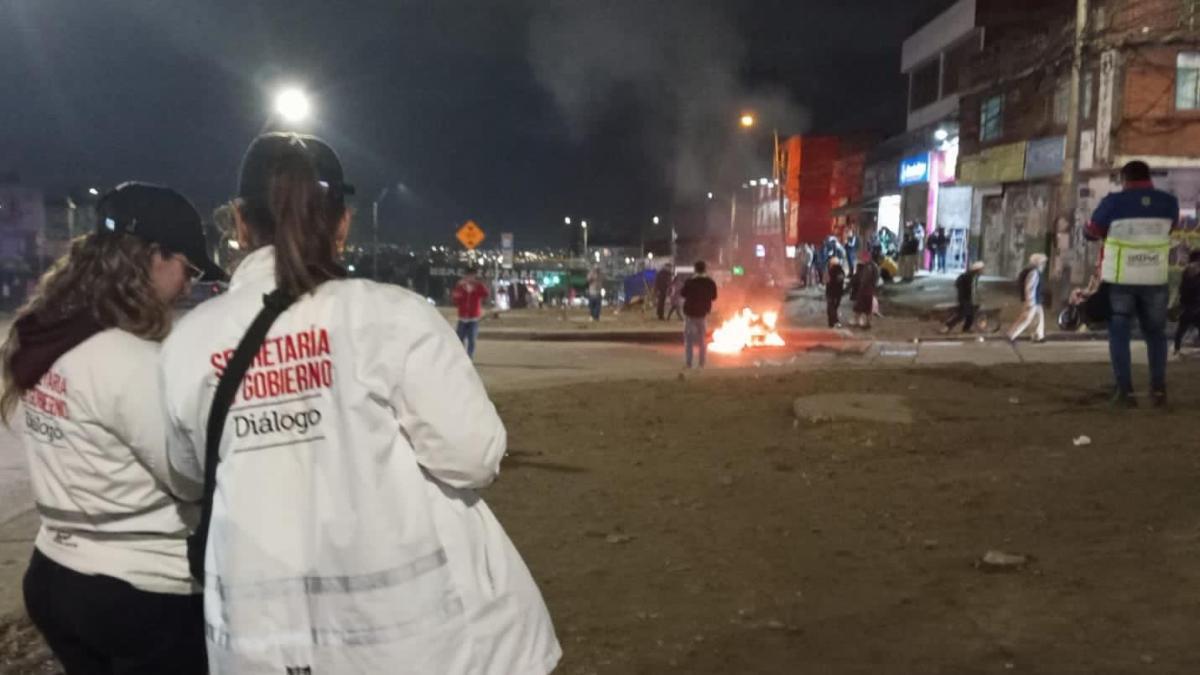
x: 1150, y: 124
x: 1135, y: 15
x: 1028, y: 113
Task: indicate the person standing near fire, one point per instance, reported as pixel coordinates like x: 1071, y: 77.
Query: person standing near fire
x: 699, y: 293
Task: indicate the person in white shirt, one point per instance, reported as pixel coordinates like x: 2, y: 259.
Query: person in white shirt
x: 1033, y: 314
x: 108, y: 585
x: 346, y: 535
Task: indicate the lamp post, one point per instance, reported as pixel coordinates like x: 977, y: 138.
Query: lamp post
x: 748, y: 121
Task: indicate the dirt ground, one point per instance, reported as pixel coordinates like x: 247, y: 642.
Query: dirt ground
x: 699, y: 526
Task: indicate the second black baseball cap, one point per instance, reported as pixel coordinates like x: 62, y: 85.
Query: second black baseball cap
x: 159, y: 215
x: 254, y: 178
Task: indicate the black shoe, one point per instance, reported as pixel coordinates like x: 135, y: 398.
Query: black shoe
x: 1159, y: 399
x: 1122, y: 399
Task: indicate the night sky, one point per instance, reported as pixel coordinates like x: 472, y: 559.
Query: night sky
x: 512, y: 112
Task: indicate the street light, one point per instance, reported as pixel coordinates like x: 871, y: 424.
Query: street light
x: 292, y: 105
x: 93, y: 192
x: 747, y: 120
x: 583, y: 224
x: 567, y: 220
x: 654, y: 220
x: 941, y: 135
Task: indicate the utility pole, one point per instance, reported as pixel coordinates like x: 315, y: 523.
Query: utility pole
x: 1069, y: 190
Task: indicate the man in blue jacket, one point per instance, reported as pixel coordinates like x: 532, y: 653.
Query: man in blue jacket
x: 1135, y: 226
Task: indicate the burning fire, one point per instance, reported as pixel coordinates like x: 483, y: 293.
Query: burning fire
x: 745, y: 330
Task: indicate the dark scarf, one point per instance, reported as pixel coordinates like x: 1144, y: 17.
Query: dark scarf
x: 40, y: 344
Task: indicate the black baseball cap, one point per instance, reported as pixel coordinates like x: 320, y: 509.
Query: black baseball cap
x: 254, y: 178
x: 159, y: 215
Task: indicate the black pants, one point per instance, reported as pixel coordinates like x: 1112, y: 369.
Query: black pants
x: 662, y: 306
x: 832, y: 303
x: 98, y: 625
x: 1190, y: 318
x: 965, y: 313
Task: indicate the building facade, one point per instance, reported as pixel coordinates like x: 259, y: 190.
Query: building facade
x: 1139, y: 99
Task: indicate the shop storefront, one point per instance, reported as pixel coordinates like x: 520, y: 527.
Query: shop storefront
x: 931, y: 199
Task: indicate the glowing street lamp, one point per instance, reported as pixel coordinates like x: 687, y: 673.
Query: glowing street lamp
x: 93, y: 192
x: 747, y: 120
x: 292, y: 105
x: 654, y: 220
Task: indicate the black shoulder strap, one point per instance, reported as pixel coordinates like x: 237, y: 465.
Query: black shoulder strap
x: 274, y: 304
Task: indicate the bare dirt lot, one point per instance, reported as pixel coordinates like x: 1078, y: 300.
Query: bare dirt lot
x: 700, y: 526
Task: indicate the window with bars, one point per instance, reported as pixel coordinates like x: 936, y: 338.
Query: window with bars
x: 991, y: 118
x: 1187, y: 81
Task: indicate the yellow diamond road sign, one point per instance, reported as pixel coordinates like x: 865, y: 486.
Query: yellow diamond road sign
x: 469, y: 235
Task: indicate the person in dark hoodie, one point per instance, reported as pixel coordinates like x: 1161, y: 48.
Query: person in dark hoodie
x: 1189, y: 299
x: 966, y: 287
x: 834, y: 290
x: 109, y: 586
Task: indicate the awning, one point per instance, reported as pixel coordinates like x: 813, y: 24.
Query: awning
x: 865, y: 206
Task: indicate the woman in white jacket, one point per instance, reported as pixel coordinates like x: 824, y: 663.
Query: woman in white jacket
x: 346, y: 536
x: 108, y: 585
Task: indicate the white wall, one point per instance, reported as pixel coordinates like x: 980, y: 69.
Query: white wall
x: 947, y: 108
x: 935, y: 36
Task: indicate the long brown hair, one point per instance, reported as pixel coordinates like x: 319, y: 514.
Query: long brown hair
x: 301, y: 219
x: 107, y: 275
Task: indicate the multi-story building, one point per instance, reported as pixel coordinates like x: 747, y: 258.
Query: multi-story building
x: 1139, y: 99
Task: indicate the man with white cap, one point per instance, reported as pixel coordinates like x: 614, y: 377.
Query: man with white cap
x: 965, y: 285
x: 1030, y: 281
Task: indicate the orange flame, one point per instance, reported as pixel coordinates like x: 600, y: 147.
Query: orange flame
x: 745, y: 330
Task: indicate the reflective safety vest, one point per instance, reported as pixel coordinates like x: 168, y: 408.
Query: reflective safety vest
x: 1136, y: 252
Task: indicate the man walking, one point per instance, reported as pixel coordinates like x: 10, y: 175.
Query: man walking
x: 966, y: 286
x: 698, y: 293
x: 1034, y: 314
x: 1135, y: 225
x: 468, y: 296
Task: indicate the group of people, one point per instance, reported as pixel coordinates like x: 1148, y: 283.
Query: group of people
x: 282, y: 481
x: 1134, y: 227
x: 863, y: 279
x: 914, y: 242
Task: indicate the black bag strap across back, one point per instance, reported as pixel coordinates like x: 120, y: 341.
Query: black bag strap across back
x: 274, y: 303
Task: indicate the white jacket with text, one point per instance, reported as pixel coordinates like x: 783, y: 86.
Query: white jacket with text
x: 94, y: 433
x: 346, y: 535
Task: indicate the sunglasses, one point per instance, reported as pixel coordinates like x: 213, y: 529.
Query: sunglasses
x: 194, y: 273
